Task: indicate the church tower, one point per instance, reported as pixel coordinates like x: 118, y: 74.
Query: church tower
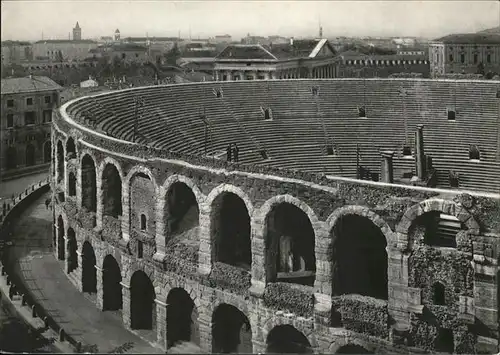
x: 77, y: 33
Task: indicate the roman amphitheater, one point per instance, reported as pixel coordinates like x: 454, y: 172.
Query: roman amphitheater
x: 361, y: 216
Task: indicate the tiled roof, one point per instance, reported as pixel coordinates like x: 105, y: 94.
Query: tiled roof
x: 470, y: 38
x: 300, y: 49
x: 28, y: 84
x: 357, y: 55
x: 245, y: 51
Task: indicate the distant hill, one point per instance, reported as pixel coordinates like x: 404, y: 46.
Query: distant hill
x: 491, y: 30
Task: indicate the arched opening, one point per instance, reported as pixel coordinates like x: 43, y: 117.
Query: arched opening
x: 231, y: 231
x: 112, y: 191
x: 182, y: 318
x: 444, y: 342
x: 359, y: 258
x: 60, y: 238
x: 11, y: 158
x: 70, y: 148
x: 436, y: 229
x: 60, y: 161
x: 88, y: 183
x: 111, y: 287
x: 72, y: 248
x: 182, y: 212
x: 89, y: 277
x: 30, y: 155
x: 47, y: 152
x: 72, y: 184
x: 143, y: 222
x: 438, y: 294
x: 142, y: 296
x: 290, y: 246
x: 353, y: 349
x: 285, y: 339
x: 231, y: 331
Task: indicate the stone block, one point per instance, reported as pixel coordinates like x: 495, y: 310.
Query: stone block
x: 487, y: 316
x: 485, y: 295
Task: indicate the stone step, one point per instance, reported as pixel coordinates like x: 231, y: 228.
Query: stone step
x: 185, y: 348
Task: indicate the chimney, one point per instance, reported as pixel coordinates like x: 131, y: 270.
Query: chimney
x: 387, y: 173
x: 291, y: 41
x: 419, y: 152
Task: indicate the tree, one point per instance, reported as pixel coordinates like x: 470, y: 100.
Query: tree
x: 172, y: 55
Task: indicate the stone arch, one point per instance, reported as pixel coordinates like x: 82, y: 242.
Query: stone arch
x: 181, y: 178
x: 59, y: 160
x: 286, y: 253
x: 358, y: 250
x: 140, y: 169
x: 89, y: 272
x: 434, y: 205
x: 230, y: 226
x: 60, y: 238
x: 70, y: 147
x: 30, y: 155
x: 47, y: 151
x: 72, y: 247
x: 229, y: 188
x: 182, y: 318
x: 142, y: 305
x: 88, y: 182
x: 111, y: 177
x: 347, y: 344
x: 112, y: 289
x: 286, y: 339
x: 231, y: 330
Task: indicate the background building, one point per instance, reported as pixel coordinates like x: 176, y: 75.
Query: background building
x: 472, y: 53
x: 15, y: 52
x: 77, y: 33
x: 27, y: 105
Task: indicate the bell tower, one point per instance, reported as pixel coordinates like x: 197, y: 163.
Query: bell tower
x: 77, y: 32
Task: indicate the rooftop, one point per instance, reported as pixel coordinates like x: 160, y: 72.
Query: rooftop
x: 15, y: 43
x: 80, y: 41
x: 28, y: 84
x: 470, y: 38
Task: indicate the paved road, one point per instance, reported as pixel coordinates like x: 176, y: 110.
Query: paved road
x: 43, y: 275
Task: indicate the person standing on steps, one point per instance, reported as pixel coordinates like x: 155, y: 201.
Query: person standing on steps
x: 229, y: 152
x: 236, y: 152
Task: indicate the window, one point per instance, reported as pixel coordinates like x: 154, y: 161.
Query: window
x: 224, y: 77
x: 140, y: 249
x: 474, y: 153
x: 451, y: 115
x: 10, y: 103
x: 475, y: 58
x: 438, y: 294
x: 361, y: 111
x: 47, y: 99
x: 406, y: 150
x: 143, y: 222
x: 29, y: 101
x: 47, y: 116
x: 488, y: 58
x: 451, y: 57
x: 10, y: 120
x: 462, y: 58
x: 29, y: 118
x: 261, y: 77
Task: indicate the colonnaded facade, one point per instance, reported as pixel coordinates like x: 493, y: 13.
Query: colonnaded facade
x: 245, y: 258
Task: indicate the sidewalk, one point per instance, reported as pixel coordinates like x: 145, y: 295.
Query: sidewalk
x: 43, y: 275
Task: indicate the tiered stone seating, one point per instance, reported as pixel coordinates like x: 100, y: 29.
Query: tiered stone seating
x: 303, y: 124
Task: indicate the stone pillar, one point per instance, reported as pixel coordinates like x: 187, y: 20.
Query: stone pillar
x: 310, y: 72
x: 205, y: 251
x: 79, y: 269
x: 229, y: 75
x: 398, y: 293
x: 205, y: 327
x: 217, y: 75
x: 99, y: 203
x: 387, y: 167
x: 161, y: 233
x: 125, y: 217
x: 99, y: 287
x: 258, y: 271
x: 126, y: 312
x: 419, y: 152
x: 161, y: 323
x: 79, y: 186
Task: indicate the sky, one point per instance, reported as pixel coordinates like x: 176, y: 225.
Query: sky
x: 27, y: 20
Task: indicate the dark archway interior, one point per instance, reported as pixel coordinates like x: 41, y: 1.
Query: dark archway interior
x: 290, y: 246
x: 47, y: 152
x: 444, y: 341
x: 359, y: 258
x: 285, y: 339
x: 89, y: 277
x: 182, y: 212
x: 89, y: 190
x: 182, y: 318
x: 353, y: 349
x: 72, y: 248
x: 438, y: 229
x: 72, y: 184
x: 142, y: 296
x: 60, y: 161
x: 438, y: 294
x: 112, y: 290
x: 11, y: 158
x: 231, y: 231
x: 112, y: 191
x: 231, y: 331
x: 30, y: 155
x: 60, y: 238
x: 70, y: 147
